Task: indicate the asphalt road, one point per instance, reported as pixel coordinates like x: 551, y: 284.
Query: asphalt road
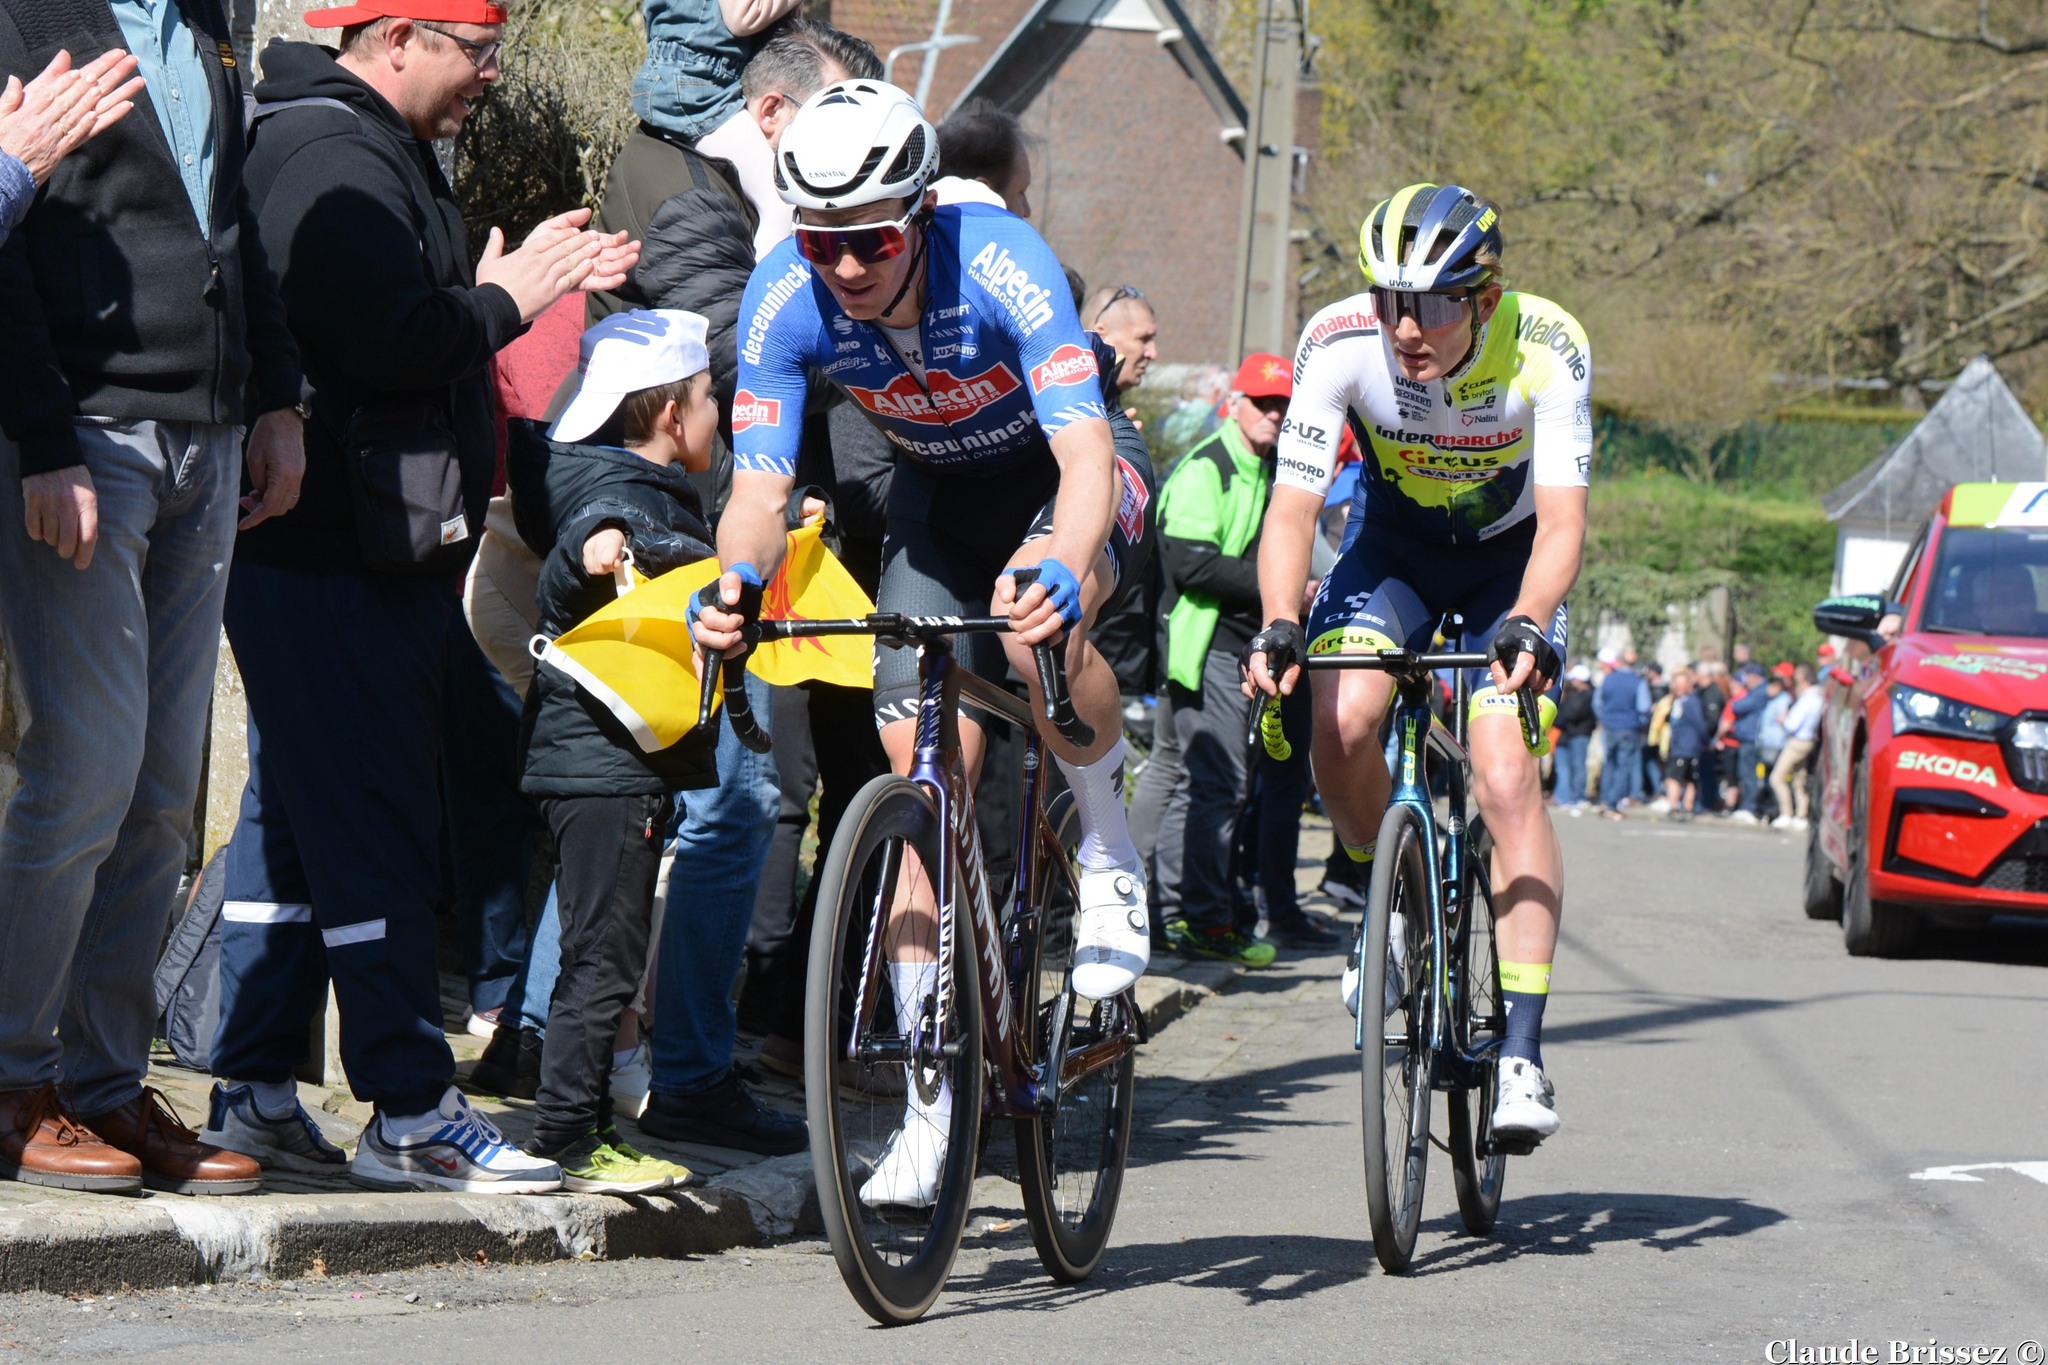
x: 1745, y: 1111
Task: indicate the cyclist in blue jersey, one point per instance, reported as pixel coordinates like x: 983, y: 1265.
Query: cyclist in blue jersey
x: 954, y: 330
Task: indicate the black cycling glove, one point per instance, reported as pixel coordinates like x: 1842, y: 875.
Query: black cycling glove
x: 1283, y: 644
x: 1519, y: 633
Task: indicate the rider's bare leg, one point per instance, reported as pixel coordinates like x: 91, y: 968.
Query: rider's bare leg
x: 1528, y: 878
x: 1350, y: 766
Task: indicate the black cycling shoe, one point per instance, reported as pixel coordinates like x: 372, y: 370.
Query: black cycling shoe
x: 510, y: 1064
x: 724, y: 1115
x: 1306, y: 933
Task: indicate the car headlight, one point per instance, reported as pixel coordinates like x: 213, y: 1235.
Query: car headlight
x: 2026, y: 752
x: 1930, y: 713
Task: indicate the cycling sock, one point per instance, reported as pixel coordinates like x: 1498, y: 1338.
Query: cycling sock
x: 1098, y: 789
x: 913, y: 981
x: 1361, y: 853
x: 1524, y: 989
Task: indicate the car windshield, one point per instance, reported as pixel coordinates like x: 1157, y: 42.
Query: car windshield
x: 1989, y: 581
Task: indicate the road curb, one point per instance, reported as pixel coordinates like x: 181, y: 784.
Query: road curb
x: 88, y: 1244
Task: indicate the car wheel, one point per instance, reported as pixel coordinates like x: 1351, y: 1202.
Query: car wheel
x: 1823, y: 894
x: 1870, y: 928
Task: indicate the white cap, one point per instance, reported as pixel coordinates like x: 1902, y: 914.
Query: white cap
x: 1579, y: 673
x: 627, y: 352
x: 1609, y: 657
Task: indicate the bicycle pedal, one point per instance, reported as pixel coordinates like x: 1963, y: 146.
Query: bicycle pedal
x: 1511, y: 1145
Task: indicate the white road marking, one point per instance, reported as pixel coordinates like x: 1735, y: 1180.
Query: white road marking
x: 2033, y: 1170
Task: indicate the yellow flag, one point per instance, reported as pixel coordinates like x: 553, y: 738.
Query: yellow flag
x: 814, y: 586
x: 636, y: 657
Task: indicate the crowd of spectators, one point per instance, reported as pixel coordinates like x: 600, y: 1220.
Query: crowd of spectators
x: 1706, y: 741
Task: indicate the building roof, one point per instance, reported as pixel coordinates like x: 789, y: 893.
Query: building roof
x: 1049, y: 32
x: 1976, y: 432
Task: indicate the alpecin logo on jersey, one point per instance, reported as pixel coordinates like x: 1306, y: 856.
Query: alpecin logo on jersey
x: 1067, y: 365
x: 748, y: 409
x: 952, y: 397
x: 1130, y: 503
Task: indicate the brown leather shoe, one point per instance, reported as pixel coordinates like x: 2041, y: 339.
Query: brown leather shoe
x: 41, y: 1144
x: 172, y: 1156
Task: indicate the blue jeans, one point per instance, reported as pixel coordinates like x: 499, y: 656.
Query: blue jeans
x: 1621, y: 769
x: 1571, y: 769
x: 534, y: 988
x: 721, y: 843
x: 116, y: 666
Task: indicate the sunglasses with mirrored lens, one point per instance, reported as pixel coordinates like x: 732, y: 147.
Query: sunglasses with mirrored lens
x: 870, y: 243
x: 1430, y: 311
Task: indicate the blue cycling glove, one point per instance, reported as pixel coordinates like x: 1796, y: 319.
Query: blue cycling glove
x: 707, y: 596
x: 1061, y: 588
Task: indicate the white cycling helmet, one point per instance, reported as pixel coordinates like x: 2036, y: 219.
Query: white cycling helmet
x: 854, y: 143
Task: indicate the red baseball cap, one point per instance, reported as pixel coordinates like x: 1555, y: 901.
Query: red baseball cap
x: 1264, y: 375
x: 1826, y: 650
x: 1783, y: 669
x: 433, y: 11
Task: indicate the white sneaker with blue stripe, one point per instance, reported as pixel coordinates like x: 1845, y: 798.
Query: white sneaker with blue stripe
x: 455, y: 1148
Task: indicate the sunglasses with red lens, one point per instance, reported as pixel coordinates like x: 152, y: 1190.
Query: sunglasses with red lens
x: 870, y: 243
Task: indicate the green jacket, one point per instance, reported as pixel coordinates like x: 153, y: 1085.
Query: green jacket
x: 1209, y: 516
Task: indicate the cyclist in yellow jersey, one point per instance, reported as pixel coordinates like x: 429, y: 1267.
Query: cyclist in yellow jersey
x: 1473, y: 407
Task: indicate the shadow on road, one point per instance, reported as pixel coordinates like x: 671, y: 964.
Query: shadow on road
x: 1579, y: 1224
x: 2018, y: 943
x: 1282, y: 1267
x: 1186, y: 1120
x: 1671, y: 1014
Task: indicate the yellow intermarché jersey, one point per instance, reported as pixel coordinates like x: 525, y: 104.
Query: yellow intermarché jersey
x: 1456, y: 459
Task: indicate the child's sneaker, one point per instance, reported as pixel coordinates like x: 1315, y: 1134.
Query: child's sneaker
x: 591, y: 1165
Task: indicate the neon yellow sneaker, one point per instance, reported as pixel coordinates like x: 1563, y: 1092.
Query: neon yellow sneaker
x: 1232, y: 945
x: 595, y: 1166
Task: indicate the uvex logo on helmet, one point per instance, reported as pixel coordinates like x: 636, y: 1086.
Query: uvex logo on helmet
x: 748, y: 409
x: 1067, y: 365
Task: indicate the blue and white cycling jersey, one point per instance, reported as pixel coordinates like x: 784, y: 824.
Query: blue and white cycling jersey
x: 1007, y: 364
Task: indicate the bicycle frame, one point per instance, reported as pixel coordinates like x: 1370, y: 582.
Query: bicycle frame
x: 1018, y: 1079
x: 1417, y: 743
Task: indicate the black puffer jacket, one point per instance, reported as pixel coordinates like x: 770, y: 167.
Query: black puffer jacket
x: 564, y: 494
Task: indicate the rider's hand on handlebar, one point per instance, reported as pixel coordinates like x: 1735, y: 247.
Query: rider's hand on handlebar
x: 1523, y: 656
x: 718, y: 626
x: 1272, y: 659
x: 1045, y: 611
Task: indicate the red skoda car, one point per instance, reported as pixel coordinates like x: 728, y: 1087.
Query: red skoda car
x: 1931, y: 776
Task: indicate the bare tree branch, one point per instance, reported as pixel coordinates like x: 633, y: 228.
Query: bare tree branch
x: 1983, y: 37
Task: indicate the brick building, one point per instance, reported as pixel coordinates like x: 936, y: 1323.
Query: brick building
x: 1137, y: 169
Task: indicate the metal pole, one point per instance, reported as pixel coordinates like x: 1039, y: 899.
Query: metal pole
x: 1265, y: 266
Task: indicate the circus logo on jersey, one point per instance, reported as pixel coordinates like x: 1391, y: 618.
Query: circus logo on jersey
x: 946, y: 398
x: 1067, y: 365
x: 748, y: 409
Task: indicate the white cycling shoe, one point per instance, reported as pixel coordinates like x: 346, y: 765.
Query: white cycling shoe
x: 1525, y: 1104
x: 1397, y: 985
x: 1113, y: 932
x: 907, y: 1176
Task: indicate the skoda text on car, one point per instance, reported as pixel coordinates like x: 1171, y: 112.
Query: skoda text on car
x: 1932, y: 771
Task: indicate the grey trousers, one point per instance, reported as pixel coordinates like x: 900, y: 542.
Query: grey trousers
x: 115, y: 665
x: 1148, y: 804
x: 1195, y: 833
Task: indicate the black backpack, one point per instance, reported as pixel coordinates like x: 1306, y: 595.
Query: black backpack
x: 188, y: 972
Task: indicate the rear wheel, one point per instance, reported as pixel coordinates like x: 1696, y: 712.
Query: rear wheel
x: 1070, y: 1156
x: 894, y: 1258
x: 1482, y: 1021
x: 1870, y: 928
x: 1823, y: 894
x: 1397, y: 1060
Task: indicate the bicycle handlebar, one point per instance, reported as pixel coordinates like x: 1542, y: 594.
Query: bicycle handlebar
x: 729, y: 675
x: 1264, y: 729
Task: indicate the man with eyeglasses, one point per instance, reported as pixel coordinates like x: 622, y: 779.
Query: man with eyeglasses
x: 954, y: 331
x: 346, y: 627
x: 1473, y: 405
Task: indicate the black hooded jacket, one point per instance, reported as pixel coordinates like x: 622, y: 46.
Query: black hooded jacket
x: 562, y: 495
x: 367, y: 240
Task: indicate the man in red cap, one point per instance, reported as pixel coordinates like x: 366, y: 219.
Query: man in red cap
x: 348, y: 629
x: 1210, y: 510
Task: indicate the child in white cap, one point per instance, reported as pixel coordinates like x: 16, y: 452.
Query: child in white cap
x: 611, y: 476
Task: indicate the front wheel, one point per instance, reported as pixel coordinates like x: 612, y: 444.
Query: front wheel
x: 1398, y: 1061
x: 1870, y: 928
x: 1070, y: 1156
x: 1482, y: 1021
x: 871, y: 1083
